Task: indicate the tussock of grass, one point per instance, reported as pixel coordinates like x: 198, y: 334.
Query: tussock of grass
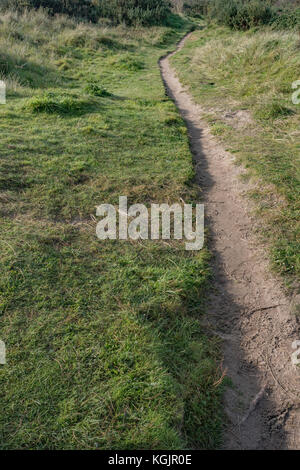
x: 254, y: 71
x: 96, y: 90
x: 173, y: 120
x: 128, y: 62
x: 105, y: 346
x: 272, y: 111
x: 51, y: 103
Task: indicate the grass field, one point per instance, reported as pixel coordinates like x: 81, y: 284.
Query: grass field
x: 105, y: 347
x: 243, y: 81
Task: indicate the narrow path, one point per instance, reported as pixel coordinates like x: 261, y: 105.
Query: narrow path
x: 248, y: 308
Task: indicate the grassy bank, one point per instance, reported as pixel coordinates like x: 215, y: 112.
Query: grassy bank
x: 243, y: 81
x: 105, y: 347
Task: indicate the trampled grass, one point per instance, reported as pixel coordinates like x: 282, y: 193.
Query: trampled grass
x: 105, y: 347
x: 243, y: 80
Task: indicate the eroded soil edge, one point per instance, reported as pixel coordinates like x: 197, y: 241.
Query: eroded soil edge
x: 248, y: 308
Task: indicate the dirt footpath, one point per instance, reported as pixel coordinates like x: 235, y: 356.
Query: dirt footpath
x: 248, y: 308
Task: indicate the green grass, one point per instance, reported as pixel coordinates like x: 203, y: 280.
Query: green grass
x: 229, y: 72
x: 105, y: 347
x: 51, y: 103
x: 96, y: 90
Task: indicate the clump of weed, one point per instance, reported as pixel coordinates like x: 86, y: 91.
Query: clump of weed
x: 88, y: 130
x: 93, y: 89
x: 110, y: 43
x: 219, y: 128
x: 128, y: 62
x: 173, y: 121
x: 271, y: 111
x: 166, y: 38
x: 64, y: 64
x: 77, y: 38
x: 145, y: 103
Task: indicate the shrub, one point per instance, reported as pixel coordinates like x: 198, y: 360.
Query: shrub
x: 245, y: 14
x: 241, y: 14
x: 195, y: 7
x: 177, y: 5
x: 145, y: 12
x: 131, y: 12
x: 79, y: 8
x: 287, y: 19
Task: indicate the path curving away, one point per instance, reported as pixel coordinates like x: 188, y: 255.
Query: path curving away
x: 248, y: 308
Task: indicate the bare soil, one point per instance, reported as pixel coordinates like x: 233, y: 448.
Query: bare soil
x: 248, y: 307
